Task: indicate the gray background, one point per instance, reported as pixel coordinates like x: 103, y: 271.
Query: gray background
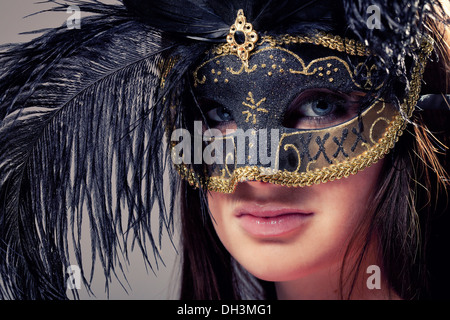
x: 143, y: 283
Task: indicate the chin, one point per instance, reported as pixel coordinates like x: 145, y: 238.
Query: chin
x: 270, y: 270
x: 276, y: 274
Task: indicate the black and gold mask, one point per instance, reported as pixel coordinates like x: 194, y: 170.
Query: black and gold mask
x: 292, y: 110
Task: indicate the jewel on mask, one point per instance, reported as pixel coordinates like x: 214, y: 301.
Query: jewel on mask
x: 242, y: 37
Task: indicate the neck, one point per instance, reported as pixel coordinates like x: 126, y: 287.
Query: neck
x: 325, y: 284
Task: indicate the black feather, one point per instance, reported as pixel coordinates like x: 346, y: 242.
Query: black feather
x: 210, y: 20
x: 79, y: 135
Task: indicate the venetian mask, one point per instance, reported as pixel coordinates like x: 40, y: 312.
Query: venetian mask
x: 290, y: 110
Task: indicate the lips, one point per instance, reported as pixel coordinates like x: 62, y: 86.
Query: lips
x: 269, y: 221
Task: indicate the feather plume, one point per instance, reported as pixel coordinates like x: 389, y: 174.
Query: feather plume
x: 79, y: 133
x: 210, y: 20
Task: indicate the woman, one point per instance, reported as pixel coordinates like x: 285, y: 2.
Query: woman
x: 314, y: 242
x: 306, y: 216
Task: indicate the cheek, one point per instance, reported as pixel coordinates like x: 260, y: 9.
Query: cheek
x: 343, y: 206
x: 220, y: 205
x: 351, y: 195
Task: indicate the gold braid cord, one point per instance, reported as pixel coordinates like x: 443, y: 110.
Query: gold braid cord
x: 335, y: 171
x: 334, y: 42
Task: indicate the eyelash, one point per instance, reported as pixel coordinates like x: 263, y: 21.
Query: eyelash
x: 337, y: 107
x: 209, y: 106
x: 340, y: 102
x: 218, y: 110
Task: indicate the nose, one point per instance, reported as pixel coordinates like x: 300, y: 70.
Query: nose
x: 265, y: 192
x: 259, y: 184
x: 261, y: 187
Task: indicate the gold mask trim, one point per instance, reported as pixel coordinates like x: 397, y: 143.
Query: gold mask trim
x: 326, y: 40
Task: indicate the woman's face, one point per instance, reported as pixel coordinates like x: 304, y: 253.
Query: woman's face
x: 283, y: 233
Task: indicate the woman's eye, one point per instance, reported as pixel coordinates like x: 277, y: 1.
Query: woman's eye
x: 219, y: 114
x: 320, y: 108
x: 215, y: 116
